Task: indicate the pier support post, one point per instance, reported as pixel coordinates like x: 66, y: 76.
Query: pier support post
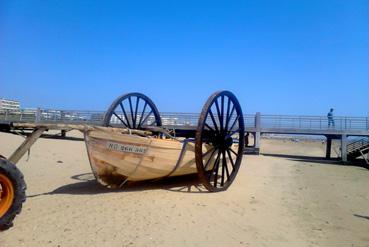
x: 329, y: 147
x: 344, y: 148
x: 38, y: 116
x: 247, y: 139
x: 257, y: 142
x: 257, y: 134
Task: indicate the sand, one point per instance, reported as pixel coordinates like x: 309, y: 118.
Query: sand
x: 276, y: 200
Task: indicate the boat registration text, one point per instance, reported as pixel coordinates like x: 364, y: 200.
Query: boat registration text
x: 126, y: 148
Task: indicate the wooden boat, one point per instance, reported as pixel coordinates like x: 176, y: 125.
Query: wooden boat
x: 116, y: 158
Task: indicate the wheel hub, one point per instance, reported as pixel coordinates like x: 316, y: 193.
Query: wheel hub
x: 222, y: 141
x: 6, y: 194
x: 228, y: 141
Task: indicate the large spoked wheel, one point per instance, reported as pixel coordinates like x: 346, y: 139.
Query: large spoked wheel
x: 219, y: 141
x: 133, y: 111
x: 12, y: 193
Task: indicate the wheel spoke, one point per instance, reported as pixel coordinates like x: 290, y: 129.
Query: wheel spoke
x: 217, y: 170
x: 212, y: 118
x: 222, y: 110
x: 226, y: 164
x: 147, y: 116
x: 208, y: 162
x: 137, y: 101
x: 227, y: 116
x: 235, y: 121
x: 230, y: 116
x: 125, y: 114
x: 230, y: 149
x: 115, y: 114
x: 215, y: 176
x: 230, y: 157
x: 142, y: 114
x: 215, y: 164
x: 220, y: 117
x: 232, y: 133
x: 130, y: 107
x: 210, y: 128
x: 207, y: 152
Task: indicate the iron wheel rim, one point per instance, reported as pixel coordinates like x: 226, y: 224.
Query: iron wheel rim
x: 220, y: 121
x: 127, y: 111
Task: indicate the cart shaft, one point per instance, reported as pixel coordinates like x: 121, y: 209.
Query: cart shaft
x: 26, y: 145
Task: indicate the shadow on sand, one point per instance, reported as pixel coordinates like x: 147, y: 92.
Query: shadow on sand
x: 87, y: 185
x: 318, y: 160
x: 303, y: 158
x: 362, y: 216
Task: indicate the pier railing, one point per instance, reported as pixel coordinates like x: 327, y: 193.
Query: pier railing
x: 190, y: 119
x: 52, y: 116
x: 314, y: 122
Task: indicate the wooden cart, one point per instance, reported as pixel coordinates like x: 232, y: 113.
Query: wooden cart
x: 131, y: 145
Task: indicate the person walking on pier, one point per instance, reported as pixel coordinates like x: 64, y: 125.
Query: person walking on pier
x: 330, y: 118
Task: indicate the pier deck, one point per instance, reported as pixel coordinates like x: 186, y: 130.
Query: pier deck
x: 257, y: 124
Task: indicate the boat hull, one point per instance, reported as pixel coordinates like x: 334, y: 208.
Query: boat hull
x: 116, y: 158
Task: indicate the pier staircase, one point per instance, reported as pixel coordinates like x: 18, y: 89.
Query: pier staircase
x: 358, y: 148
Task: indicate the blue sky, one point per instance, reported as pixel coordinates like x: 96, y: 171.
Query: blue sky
x: 278, y: 57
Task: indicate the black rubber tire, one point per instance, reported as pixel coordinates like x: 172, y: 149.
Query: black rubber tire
x: 16, y: 177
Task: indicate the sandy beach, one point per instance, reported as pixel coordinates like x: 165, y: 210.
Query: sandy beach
x: 279, y: 198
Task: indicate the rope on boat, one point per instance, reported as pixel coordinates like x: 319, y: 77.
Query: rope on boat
x: 162, y: 131
x: 179, y: 161
x: 181, y: 155
x: 136, y: 168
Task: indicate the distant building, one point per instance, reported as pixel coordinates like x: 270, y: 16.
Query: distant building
x: 11, y: 105
x: 29, y: 110
x: 169, y: 121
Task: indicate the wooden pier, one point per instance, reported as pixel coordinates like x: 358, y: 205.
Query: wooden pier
x: 255, y: 124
